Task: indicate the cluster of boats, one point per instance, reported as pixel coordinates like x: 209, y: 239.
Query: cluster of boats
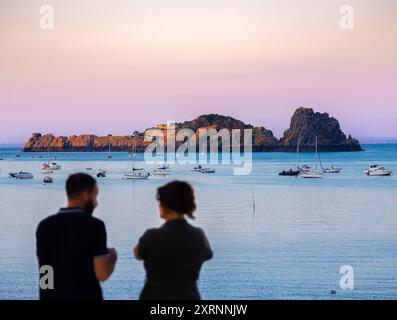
x: 161, y: 170
x: 48, y: 168
x: 308, y: 172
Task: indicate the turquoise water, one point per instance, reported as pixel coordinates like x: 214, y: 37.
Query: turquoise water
x: 291, y: 247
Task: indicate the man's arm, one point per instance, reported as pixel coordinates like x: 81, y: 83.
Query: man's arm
x: 105, y: 265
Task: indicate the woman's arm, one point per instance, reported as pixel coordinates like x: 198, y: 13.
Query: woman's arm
x: 136, y: 251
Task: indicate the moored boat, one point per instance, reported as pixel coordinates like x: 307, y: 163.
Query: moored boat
x: 48, y: 180
x: 21, y: 175
x: 332, y: 170
x: 289, y: 173
x: 378, y: 171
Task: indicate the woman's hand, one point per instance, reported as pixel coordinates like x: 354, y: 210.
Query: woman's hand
x: 136, y: 250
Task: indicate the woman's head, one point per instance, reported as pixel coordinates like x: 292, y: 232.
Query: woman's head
x: 176, y: 198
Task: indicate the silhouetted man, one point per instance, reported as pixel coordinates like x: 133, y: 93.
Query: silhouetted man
x: 73, y: 243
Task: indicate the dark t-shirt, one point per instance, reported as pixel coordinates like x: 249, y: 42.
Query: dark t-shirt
x: 68, y: 242
x: 173, y: 255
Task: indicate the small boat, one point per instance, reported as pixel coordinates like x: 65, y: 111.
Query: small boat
x: 378, y: 171
x: 207, y: 170
x: 1, y: 159
x: 50, y: 166
x: 162, y: 170
x: 137, y: 174
x: 48, y: 180
x: 289, y: 173
x: 292, y: 172
x: 197, y: 169
x: 22, y: 175
x: 55, y: 166
x: 308, y: 172
x: 312, y: 175
x: 332, y: 170
x: 304, y: 168
x: 89, y: 169
x: 99, y: 173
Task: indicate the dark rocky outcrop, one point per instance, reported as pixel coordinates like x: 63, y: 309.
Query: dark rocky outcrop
x: 305, y: 126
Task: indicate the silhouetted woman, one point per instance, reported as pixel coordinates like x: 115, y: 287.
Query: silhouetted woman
x: 174, y: 253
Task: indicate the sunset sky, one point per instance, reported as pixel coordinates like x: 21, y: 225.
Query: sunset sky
x: 114, y: 66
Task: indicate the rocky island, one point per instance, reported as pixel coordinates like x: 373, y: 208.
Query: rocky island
x: 305, y: 126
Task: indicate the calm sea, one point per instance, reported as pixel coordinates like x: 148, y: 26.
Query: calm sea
x: 290, y: 247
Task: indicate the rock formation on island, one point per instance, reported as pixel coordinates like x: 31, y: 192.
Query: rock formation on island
x: 305, y: 126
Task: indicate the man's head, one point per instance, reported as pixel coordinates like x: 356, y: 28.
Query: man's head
x: 82, y: 191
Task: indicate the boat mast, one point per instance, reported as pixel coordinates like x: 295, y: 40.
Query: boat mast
x: 297, y: 153
x: 133, y: 151
x: 318, y: 155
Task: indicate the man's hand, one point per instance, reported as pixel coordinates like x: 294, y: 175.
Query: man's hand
x: 104, y: 265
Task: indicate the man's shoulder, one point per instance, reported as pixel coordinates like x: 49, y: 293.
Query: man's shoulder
x: 48, y: 220
x: 96, y: 222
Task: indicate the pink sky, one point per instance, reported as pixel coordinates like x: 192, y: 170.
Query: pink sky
x: 118, y: 66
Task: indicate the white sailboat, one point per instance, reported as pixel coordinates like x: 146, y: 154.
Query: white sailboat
x: 135, y: 174
x: 109, y: 153
x: 313, y: 173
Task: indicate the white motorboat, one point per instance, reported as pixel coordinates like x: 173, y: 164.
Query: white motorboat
x: 162, y: 170
x: 377, y: 171
x: 22, y: 175
x: 55, y: 166
x: 46, y: 169
x: 332, y: 170
x: 48, y: 166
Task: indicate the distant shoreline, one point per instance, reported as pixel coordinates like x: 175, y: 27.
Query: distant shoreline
x: 363, y: 141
